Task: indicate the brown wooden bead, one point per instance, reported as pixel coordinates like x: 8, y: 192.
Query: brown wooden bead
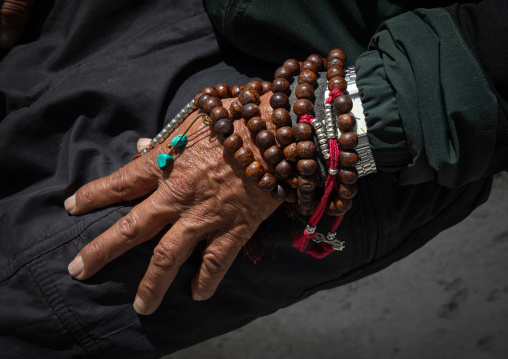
x: 284, y: 73
x: 303, y: 107
x: 267, y: 86
x: 306, y: 211
x: 244, y: 156
x: 307, y: 167
x: 279, y: 100
x: 223, y: 90
x: 249, y: 96
x: 265, y: 139
x: 255, y: 86
x: 346, y: 122
x: 337, y: 53
x: 290, y: 152
x: 196, y: 98
x: 342, y: 204
x: 318, y: 59
x: 304, y: 91
x: 233, y: 143
x: 334, y: 72
x: 283, y: 169
x: 211, y: 91
x: 302, y: 131
x: 218, y: 113
x: 291, y: 196
x: 325, y: 63
x: 305, y: 196
x: 307, y: 76
x: 292, y: 65
x: 211, y: 103
x: 284, y: 135
x: 280, y: 85
x: 333, y: 210
x: 348, y: 191
x: 273, y: 154
x: 348, y: 175
x: 335, y: 62
x: 307, y: 183
x: 250, y: 110
x: 281, y: 117
x: 268, y: 182
x: 337, y: 83
x: 280, y: 193
x: 293, y: 180
x: 237, y: 90
x: 348, y: 141
x: 254, y: 171
x: 201, y: 100
x: 305, y: 149
x: 348, y: 158
x: 236, y: 109
x: 224, y: 127
x: 309, y: 65
x: 256, y: 124
x: 343, y: 104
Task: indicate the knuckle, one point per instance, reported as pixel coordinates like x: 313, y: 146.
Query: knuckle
x: 86, y: 196
x: 96, y: 252
x: 15, y: 12
x: 163, y: 257
x: 214, y: 263
x: 117, y: 181
x: 149, y: 289
x: 128, y: 228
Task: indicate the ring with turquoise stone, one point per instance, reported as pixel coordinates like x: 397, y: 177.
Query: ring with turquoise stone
x: 164, y: 159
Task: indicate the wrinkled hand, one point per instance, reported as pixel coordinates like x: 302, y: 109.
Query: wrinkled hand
x: 203, y: 194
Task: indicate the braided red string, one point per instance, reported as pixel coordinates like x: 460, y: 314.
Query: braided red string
x: 301, y: 242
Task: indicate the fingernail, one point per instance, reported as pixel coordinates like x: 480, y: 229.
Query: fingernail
x: 197, y: 297
x: 143, y: 142
x: 76, y: 267
x: 139, y: 305
x: 70, y: 203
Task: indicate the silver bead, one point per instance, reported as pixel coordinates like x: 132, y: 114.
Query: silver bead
x: 153, y: 142
x: 188, y: 108
x: 333, y: 172
x: 323, y: 146
x: 331, y: 236
x: 319, y: 131
x: 193, y: 105
x: 143, y: 151
x: 179, y: 119
x: 174, y: 124
x: 322, y: 140
x: 316, y: 124
x: 328, y: 105
x: 183, y: 113
x: 310, y: 230
x: 159, y: 138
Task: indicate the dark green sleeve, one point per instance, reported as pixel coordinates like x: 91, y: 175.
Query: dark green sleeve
x: 430, y: 111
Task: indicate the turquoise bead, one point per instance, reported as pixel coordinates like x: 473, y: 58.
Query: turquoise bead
x: 164, y: 159
x: 177, y: 142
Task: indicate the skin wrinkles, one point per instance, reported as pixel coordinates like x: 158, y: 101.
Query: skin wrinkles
x: 203, y: 194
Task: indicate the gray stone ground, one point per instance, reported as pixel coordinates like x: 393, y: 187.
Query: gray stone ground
x: 447, y: 300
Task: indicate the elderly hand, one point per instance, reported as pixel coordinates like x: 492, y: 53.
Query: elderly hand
x: 203, y: 194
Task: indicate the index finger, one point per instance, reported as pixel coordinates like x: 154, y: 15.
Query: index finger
x: 132, y: 181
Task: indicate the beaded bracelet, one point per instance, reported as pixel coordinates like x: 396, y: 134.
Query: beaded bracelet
x: 288, y: 146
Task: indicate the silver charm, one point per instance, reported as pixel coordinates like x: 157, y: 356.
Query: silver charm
x: 331, y: 240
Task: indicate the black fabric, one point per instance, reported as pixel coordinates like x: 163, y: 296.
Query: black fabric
x: 484, y: 27
x: 85, y: 82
